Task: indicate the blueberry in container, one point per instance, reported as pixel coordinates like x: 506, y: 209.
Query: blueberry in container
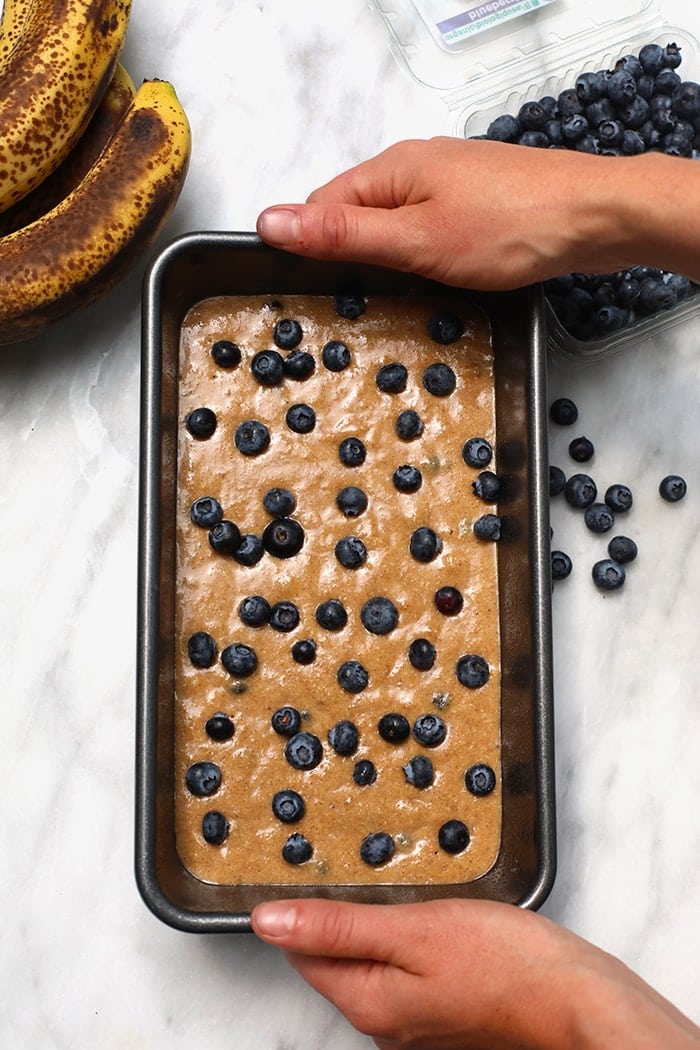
x: 203, y: 265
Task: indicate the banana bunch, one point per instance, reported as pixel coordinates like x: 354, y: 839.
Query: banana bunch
x: 90, y: 165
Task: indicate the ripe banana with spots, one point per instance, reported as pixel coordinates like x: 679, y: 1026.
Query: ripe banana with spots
x: 59, y: 57
x: 13, y: 21
x: 84, y: 245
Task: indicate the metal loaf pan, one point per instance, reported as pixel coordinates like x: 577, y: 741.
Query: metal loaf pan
x: 197, y: 266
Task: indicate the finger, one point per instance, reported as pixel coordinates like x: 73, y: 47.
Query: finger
x: 385, y: 181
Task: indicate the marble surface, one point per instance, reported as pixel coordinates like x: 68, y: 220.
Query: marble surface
x: 281, y: 96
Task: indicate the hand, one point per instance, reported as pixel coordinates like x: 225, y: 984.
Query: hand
x: 462, y: 975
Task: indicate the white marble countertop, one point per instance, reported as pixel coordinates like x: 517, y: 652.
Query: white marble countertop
x: 282, y: 96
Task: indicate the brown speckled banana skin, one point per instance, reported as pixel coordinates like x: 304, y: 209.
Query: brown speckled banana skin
x: 81, y: 248
x: 52, y: 82
x: 13, y: 22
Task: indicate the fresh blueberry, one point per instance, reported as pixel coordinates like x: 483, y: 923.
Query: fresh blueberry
x: 600, y: 110
x: 351, y: 552
x: 672, y: 488
x: 535, y: 139
x: 284, y: 616
x: 608, y: 319
x: 581, y: 449
x: 392, y: 378
x: 335, y: 356
x: 672, y: 56
x: 283, y: 537
x: 408, y: 425
x: 287, y: 334
x: 377, y: 848
x: 344, y: 737
x: 303, y: 750
x: 205, y: 512
x: 552, y: 130
x: 352, y: 501
x: 557, y: 481
x: 297, y: 849
x: 429, y: 730
x: 487, y: 486
x: 448, y: 601
x: 331, y: 615
x: 225, y: 353
x: 590, y: 143
x: 215, y: 827
x: 618, y: 498
x: 488, y: 527
x: 439, y: 379
x: 364, y: 772
x: 279, y: 502
x: 632, y: 143
x: 651, y: 58
x: 686, y: 101
x: 574, y: 128
x: 635, y: 113
x: 622, y: 88
x: 477, y: 452
x: 661, y: 115
x: 472, y: 671
x: 350, y: 306
x: 288, y: 806
x: 352, y: 452
x: 563, y: 411
x: 599, y: 517
x: 608, y: 575
x: 201, y: 422
x: 300, y: 418
x: 480, y: 779
x: 219, y: 727
x: 453, y: 836
x: 394, y: 728
x: 252, y: 437
x: 445, y: 328
x: 666, y: 82
x: 239, y: 659
x: 299, y: 365
x: 532, y: 116
x: 407, y: 478
x: 561, y: 565
x: 504, y: 128
x: 421, y: 654
x: 610, y: 132
x: 419, y: 771
x: 201, y: 649
x: 225, y: 537
x: 267, y: 367
x: 379, y: 615
x: 254, y: 610
x: 424, y: 544
x: 250, y: 550
x: 580, y: 491
x: 352, y: 676
x: 591, y: 86
x: 622, y: 549
x: 304, y: 651
x: 655, y: 295
x: 203, y: 779
x: 568, y: 103
x: 645, y: 86
x: 286, y: 721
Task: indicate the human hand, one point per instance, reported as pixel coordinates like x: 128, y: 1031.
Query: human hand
x: 462, y: 975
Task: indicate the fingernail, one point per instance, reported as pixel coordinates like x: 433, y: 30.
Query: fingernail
x: 275, y: 920
x: 279, y: 226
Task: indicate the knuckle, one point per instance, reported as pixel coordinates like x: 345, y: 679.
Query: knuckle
x: 335, y: 229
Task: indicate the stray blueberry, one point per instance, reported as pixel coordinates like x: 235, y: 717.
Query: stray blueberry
x: 351, y: 552
x: 608, y: 575
x: 377, y: 848
x: 344, y: 737
x: 672, y: 488
x: 563, y: 411
x: 622, y: 549
x: 288, y: 806
x: 239, y: 659
x: 267, y: 367
x: 303, y: 750
x: 219, y: 727
x: 408, y: 425
x: 445, y: 328
x: 580, y: 491
x: 407, y: 478
x: 279, y: 502
x: 205, y: 512
x: 419, y: 771
x: 394, y: 728
x: 215, y: 827
x: 250, y: 550
x: 392, y: 378
x: 335, y: 356
x: 561, y: 565
x: 448, y: 601
x: 286, y: 721
x: 477, y: 452
x: 488, y: 527
x: 201, y: 422
x: 364, y: 772
x: 557, y: 481
x: 203, y: 779
x: 352, y: 501
x: 352, y: 676
x: 472, y: 671
x: 350, y: 306
x: 287, y: 334
x: 581, y: 449
x: 352, y: 452
x: 225, y: 537
x: 254, y: 610
x: 379, y: 615
x: 429, y: 730
x: 201, y: 649
x: 421, y: 654
x: 424, y: 544
x: 618, y: 498
x: 299, y: 365
x: 297, y: 849
x: 304, y: 651
x: 453, y: 836
x: 599, y: 517
x: 439, y: 380
x: 252, y: 437
x: 300, y: 418
x: 284, y: 616
x: 480, y: 779
x: 226, y: 354
x: 331, y: 614
x: 487, y: 486
x: 283, y: 537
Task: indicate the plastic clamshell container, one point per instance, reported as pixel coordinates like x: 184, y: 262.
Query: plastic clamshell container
x: 201, y: 265
x: 539, y: 53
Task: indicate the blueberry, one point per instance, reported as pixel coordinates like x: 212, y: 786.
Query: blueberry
x: 445, y: 328
x: 335, y: 356
x: 580, y: 491
x: 561, y: 565
x: 618, y: 498
x: 568, y: 103
x: 574, y: 128
x: 608, y: 575
x: 477, y: 452
x: 622, y: 88
x: 622, y: 549
x: 203, y: 779
x: 286, y: 721
x: 284, y: 616
x: 201, y: 422
x: 392, y: 378
x: 591, y: 86
x: 344, y: 737
x: 352, y: 676
x: 480, y: 779
x: 628, y: 291
x: 300, y: 418
x: 453, y: 836
x: 407, y: 478
x: 563, y: 411
x: 297, y: 849
x: 288, y: 806
x: 536, y: 139
x: 672, y: 488
x: 630, y: 64
x: 645, y: 86
x: 448, y: 601
x: 419, y: 771
x: 225, y: 353
x: 609, y: 319
x: 351, y: 552
x: 408, y: 425
x: 215, y: 827
x: 651, y: 58
x: 283, y: 537
x: 552, y: 130
x: 352, y: 452
x: 331, y: 614
x: 364, y: 772
x: 487, y: 486
x: 205, y: 512
x: 303, y: 750
x: 666, y: 82
x: 379, y: 615
x: 557, y: 481
x: 219, y: 727
x: 377, y: 848
x: 267, y: 367
x: 488, y: 527
x: 672, y: 56
x: 472, y: 671
x: 429, y: 730
x: 439, y: 379
x: 394, y: 728
x: 655, y: 295
x: 201, y: 649
x: 252, y: 437
x: 287, y: 334
x: 424, y: 544
x: 581, y: 449
x: 632, y: 143
x: 590, y: 143
x: 239, y: 659
x: 299, y: 365
x: 660, y: 113
x: 599, y: 517
x: 350, y: 306
x: 504, y: 128
x: 304, y: 651
x: 254, y: 610
x: 250, y: 550
x: 598, y: 111
x: 421, y: 654
x: 531, y: 116
x: 352, y: 501
x: 610, y: 132
x: 225, y: 537
x: 279, y: 502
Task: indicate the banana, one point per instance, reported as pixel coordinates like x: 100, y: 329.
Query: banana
x: 81, y: 248
x: 15, y: 17
x: 69, y: 174
x: 53, y: 80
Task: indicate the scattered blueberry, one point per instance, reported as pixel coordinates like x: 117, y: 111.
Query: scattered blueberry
x: 487, y: 486
x: 350, y: 306
x: 288, y: 806
x: 429, y: 730
x: 331, y: 614
x: 279, y: 502
x: 287, y: 334
x: 364, y: 772
x: 352, y: 501
x: 448, y: 601
x: 394, y: 728
x: 335, y: 356
x: 392, y: 378
x: 201, y: 422
x: 205, y: 512
x: 445, y: 328
x: 300, y: 418
x: 284, y: 616
x: 283, y: 537
x: 303, y: 750
x: 377, y: 848
x: 419, y: 771
x: 239, y: 659
x: 563, y: 411
x: 407, y: 478
x: 408, y: 425
x: 201, y: 649
x: 304, y: 651
x: 424, y: 544
x: 352, y: 676
x: 439, y: 380
x: 581, y: 449
x: 225, y: 353
x: 557, y: 481
x: 580, y: 491
x: 608, y: 575
x: 599, y: 517
x: 250, y: 550
x: 472, y: 671
x: 618, y: 498
x: 622, y: 549
x: 352, y: 452
x: 286, y: 721
x: 421, y: 654
x: 561, y: 565
x: 224, y: 537
x: 351, y: 552
x: 219, y: 727
x: 203, y: 779
x: 379, y: 615
x: 252, y: 437
x: 488, y: 527
x: 672, y: 488
x: 299, y: 365
x: 477, y: 452
x: 267, y: 367
x: 254, y: 610
x: 344, y: 737
x: 215, y: 827
x: 453, y: 836
x: 297, y: 849
x: 480, y: 779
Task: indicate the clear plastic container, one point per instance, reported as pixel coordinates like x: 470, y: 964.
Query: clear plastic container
x: 540, y: 52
